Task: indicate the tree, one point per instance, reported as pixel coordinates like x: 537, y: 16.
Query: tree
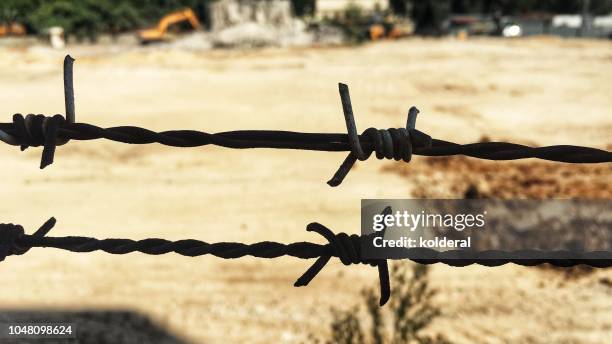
x: 89, y: 18
x: 74, y: 17
x: 428, y: 16
x: 303, y: 7
x: 401, y: 7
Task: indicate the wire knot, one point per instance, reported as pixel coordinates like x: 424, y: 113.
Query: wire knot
x: 392, y: 143
x: 39, y: 130
x: 13, y: 238
x: 9, y: 236
x: 348, y: 249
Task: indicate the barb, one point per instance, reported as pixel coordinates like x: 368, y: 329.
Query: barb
x: 69, y: 89
x: 392, y: 143
x: 13, y: 241
x: 40, y: 130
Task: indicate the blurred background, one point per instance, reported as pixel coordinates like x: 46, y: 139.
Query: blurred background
x: 531, y: 72
x: 299, y: 22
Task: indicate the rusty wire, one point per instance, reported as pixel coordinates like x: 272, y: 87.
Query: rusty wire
x: 393, y: 143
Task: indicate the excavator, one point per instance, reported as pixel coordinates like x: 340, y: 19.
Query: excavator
x: 159, y: 33
x: 390, y: 28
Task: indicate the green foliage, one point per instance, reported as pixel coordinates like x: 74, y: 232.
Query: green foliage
x: 303, y: 7
x: 400, y: 7
x: 89, y: 18
x: 124, y: 17
x: 408, y: 313
x: 353, y: 22
x: 74, y: 16
x: 16, y: 10
x: 429, y: 16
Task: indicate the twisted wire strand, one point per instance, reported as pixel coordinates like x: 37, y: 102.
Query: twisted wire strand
x: 397, y: 144
x: 393, y: 143
x: 348, y: 248
x: 243, y: 139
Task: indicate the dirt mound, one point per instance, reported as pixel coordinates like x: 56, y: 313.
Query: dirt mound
x: 459, y: 176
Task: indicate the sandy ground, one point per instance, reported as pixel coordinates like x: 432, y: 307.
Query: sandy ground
x: 538, y: 91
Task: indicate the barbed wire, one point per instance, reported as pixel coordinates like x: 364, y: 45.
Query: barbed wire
x: 393, y: 143
x: 348, y: 248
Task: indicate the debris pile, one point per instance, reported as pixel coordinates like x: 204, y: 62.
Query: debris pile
x: 256, y: 24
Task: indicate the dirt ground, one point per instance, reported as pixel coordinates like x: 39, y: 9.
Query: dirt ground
x: 538, y: 91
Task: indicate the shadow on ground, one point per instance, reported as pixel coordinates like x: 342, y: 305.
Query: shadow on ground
x: 93, y: 327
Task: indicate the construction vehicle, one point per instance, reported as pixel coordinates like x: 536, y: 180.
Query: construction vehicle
x: 390, y: 28
x: 160, y: 32
x: 12, y: 29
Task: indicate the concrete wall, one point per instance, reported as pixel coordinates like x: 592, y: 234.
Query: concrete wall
x: 228, y: 13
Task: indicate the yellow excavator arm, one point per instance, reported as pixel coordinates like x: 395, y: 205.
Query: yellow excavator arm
x: 158, y: 33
